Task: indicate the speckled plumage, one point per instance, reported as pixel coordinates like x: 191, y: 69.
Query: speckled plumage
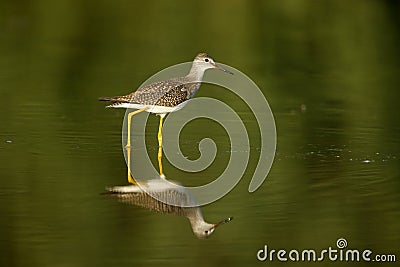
x: 179, y: 198
x: 168, y: 93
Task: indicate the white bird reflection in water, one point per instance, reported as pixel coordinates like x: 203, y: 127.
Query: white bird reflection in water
x: 166, y: 191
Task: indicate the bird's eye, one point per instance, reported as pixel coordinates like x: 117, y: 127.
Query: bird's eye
x: 206, y: 60
x: 206, y: 231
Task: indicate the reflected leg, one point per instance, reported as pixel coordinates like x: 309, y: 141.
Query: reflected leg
x: 128, y: 144
x: 160, y: 145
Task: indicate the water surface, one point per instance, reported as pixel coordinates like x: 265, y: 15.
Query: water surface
x: 330, y: 73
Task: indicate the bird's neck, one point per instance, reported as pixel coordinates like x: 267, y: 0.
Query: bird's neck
x: 196, y: 73
x: 195, y: 217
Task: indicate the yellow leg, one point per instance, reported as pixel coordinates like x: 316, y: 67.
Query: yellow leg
x: 128, y: 144
x: 160, y: 146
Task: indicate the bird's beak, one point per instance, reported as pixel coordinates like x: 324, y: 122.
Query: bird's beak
x: 223, y: 222
x: 217, y: 66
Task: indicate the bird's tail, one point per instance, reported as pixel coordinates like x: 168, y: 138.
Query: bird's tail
x: 109, y: 99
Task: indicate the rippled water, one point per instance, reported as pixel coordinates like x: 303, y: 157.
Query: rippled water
x: 334, y: 97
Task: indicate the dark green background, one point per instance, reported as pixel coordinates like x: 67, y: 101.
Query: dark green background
x: 336, y: 172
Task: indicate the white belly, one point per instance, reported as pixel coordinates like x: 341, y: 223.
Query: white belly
x: 151, y: 108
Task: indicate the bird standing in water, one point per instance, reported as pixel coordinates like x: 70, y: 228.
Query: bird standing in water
x: 162, y: 98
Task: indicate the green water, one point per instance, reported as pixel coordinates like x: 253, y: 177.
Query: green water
x: 330, y: 71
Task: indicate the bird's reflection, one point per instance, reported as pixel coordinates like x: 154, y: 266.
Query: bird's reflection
x: 168, y: 193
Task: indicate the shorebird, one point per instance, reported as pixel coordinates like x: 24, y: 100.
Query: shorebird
x: 166, y: 198
x: 162, y: 98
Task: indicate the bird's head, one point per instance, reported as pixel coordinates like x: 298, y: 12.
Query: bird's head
x: 205, y: 62
x: 203, y: 229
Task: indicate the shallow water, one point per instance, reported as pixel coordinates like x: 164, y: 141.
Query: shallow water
x: 333, y: 94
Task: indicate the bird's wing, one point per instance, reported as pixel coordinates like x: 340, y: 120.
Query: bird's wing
x: 165, y: 93
x: 140, y: 198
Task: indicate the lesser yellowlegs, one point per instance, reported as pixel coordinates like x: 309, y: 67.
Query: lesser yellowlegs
x: 162, y: 98
x: 168, y: 193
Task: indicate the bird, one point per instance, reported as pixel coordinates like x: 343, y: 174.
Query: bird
x: 163, y: 97
x: 161, y: 196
